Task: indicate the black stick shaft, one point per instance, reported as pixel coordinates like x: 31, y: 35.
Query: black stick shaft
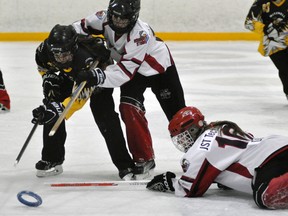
x: 26, y: 144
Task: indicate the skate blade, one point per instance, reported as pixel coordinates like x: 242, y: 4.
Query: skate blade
x: 146, y: 175
x: 51, y: 172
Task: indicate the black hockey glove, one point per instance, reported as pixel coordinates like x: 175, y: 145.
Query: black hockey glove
x: 96, y: 47
x: 162, y: 182
x: 93, y: 77
x: 47, y: 114
x: 51, y: 86
x: 223, y: 187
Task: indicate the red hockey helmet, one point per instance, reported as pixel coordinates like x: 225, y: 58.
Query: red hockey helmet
x: 185, y: 127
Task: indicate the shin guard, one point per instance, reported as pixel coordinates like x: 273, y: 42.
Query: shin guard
x: 138, y: 135
x: 4, y: 100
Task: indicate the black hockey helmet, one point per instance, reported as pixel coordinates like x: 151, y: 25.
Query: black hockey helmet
x: 123, y: 14
x: 62, y: 44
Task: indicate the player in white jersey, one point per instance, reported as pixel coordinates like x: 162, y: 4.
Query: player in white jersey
x: 221, y: 152
x: 142, y: 61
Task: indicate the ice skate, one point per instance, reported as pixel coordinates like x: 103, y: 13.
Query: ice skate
x: 127, y: 174
x: 46, y: 168
x: 143, y: 167
x: 144, y: 170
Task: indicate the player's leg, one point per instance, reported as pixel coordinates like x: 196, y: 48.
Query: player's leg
x: 270, y: 183
x: 169, y: 92
x: 137, y: 132
x: 103, y: 109
x: 280, y: 61
x: 53, y: 151
x: 4, y: 96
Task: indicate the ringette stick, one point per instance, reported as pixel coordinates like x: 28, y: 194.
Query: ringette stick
x: 26, y: 143
x: 99, y: 184
x: 69, y: 105
x: 67, y: 108
x: 29, y: 136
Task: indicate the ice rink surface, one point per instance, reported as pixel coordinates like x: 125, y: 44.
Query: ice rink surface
x: 225, y: 80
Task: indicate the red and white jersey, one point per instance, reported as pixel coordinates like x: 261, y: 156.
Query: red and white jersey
x: 220, y: 156
x: 138, y: 51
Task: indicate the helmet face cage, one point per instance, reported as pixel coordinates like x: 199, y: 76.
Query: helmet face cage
x: 186, y: 139
x: 123, y: 14
x: 185, y: 127
x: 62, y: 44
x: 63, y: 57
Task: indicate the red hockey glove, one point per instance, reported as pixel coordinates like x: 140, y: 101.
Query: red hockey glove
x: 162, y: 182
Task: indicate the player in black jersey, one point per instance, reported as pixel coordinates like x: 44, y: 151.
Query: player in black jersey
x: 59, y: 58
x: 269, y: 18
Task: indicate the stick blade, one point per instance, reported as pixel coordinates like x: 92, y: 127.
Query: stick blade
x: 16, y: 163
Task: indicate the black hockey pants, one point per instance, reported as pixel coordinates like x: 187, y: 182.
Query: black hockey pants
x: 280, y: 61
x: 102, y: 107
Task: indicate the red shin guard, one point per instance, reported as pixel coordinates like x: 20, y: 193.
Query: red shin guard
x: 4, y: 99
x: 137, y: 132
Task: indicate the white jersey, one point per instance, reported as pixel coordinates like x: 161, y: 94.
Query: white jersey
x: 219, y: 156
x: 138, y: 51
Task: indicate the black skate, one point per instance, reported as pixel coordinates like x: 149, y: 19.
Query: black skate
x: 127, y: 174
x: 143, y: 170
x: 46, y: 168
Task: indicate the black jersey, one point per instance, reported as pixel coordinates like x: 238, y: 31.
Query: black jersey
x: 83, y: 59
x: 269, y: 19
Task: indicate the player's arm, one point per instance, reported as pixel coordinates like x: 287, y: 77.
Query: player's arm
x: 127, y: 65
x: 91, y: 25
x: 253, y: 21
x: 196, y: 187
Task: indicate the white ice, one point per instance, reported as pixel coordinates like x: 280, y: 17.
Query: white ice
x: 226, y: 80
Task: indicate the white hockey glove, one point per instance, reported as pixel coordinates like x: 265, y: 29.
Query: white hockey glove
x: 162, y: 182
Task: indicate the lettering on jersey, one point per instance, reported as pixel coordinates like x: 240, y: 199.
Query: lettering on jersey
x: 207, y: 140
x: 100, y: 14
x: 277, y: 14
x: 57, y: 107
x: 143, y: 39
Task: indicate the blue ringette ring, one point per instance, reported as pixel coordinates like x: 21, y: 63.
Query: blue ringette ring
x: 31, y: 194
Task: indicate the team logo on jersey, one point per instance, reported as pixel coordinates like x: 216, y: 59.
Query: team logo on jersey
x: 185, y: 164
x: 165, y: 94
x: 100, y: 14
x: 143, y: 38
